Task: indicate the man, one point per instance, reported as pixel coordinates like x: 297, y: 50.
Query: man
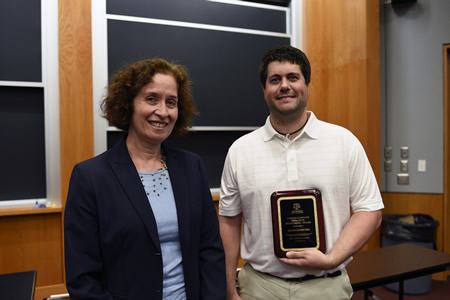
x: 294, y: 151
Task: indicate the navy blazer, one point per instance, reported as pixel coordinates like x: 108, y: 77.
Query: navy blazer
x: 112, y: 249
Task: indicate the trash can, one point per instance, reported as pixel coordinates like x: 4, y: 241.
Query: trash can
x: 418, y: 229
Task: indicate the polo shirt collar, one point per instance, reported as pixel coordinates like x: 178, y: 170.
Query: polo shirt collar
x: 311, y: 128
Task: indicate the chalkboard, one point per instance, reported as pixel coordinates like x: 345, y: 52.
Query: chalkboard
x: 220, y: 44
x: 203, y: 12
x: 20, y: 36
x: 22, y: 136
x: 222, y: 65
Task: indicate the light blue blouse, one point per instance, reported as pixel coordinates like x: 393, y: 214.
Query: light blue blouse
x: 160, y: 194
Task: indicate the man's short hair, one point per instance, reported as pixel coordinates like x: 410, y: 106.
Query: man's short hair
x: 281, y: 54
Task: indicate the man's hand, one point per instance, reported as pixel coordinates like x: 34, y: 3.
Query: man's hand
x: 309, y: 259
x: 355, y: 234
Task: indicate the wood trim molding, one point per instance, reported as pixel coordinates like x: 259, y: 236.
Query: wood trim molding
x: 446, y: 223
x: 76, y: 96
x: 20, y: 211
x: 75, y: 76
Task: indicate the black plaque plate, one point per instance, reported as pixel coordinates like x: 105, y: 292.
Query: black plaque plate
x: 297, y: 219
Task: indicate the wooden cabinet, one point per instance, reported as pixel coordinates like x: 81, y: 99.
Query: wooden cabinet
x: 31, y: 239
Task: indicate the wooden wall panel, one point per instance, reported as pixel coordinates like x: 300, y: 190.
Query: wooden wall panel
x: 32, y: 242
x: 75, y: 75
x: 341, y: 39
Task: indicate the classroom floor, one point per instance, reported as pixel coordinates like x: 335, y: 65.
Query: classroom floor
x: 440, y: 290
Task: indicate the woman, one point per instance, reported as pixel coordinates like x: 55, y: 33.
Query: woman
x: 139, y: 219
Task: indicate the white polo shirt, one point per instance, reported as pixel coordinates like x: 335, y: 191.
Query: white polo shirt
x: 324, y: 156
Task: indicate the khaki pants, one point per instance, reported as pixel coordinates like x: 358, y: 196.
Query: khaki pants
x: 254, y: 285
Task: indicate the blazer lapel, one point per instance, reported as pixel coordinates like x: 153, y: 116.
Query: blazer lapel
x: 126, y: 173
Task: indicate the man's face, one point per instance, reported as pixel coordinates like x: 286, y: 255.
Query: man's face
x: 286, y: 92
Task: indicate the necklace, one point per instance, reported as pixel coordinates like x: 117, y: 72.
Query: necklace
x: 288, y: 135
x: 163, y: 162
x: 155, y: 182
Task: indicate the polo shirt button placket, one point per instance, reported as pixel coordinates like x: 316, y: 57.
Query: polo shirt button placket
x: 291, y: 160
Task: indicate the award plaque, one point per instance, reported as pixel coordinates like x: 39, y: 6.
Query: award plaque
x: 297, y: 219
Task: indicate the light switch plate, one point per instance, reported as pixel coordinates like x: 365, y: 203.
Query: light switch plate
x: 404, y: 166
x: 404, y: 152
x: 387, y: 152
x: 387, y: 165
x: 422, y: 165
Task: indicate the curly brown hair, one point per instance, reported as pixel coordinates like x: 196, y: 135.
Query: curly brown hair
x: 117, y: 106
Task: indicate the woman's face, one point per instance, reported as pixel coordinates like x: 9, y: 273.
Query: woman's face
x: 155, y: 109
